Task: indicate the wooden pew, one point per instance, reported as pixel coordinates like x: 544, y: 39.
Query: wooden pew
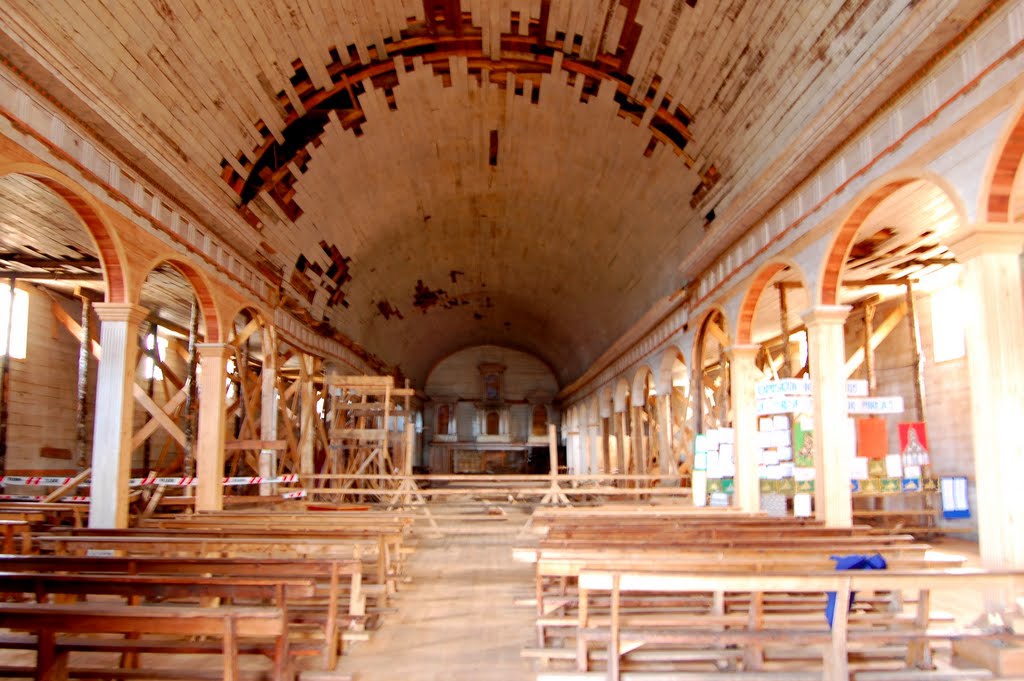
x: 54, y: 512
x: 16, y: 529
x: 689, y: 539
x: 231, y: 626
x: 326, y: 610
x: 623, y: 634
x: 381, y: 550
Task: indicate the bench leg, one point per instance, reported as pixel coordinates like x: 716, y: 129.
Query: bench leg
x: 919, y: 653
x: 753, y: 657
x: 230, y: 650
x: 51, y: 664
x: 835, y: 658
x: 613, y: 641
x: 331, y: 635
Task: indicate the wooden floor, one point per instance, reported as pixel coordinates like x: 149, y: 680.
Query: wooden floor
x: 457, y: 619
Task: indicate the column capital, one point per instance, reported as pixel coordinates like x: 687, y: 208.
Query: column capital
x: 744, y: 352
x: 826, y: 314
x: 214, y: 350
x: 121, y: 312
x: 984, y: 238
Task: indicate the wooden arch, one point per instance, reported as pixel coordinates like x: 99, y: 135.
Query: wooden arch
x: 203, y: 290
x: 103, y: 234
x: 1004, y: 172
x: 748, y: 307
x: 866, y: 203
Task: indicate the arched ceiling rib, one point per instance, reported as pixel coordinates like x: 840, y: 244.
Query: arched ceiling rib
x: 421, y: 176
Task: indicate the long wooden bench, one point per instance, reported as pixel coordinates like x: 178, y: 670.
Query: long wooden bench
x: 380, y: 550
x: 89, y: 622
x: 623, y: 634
x: 324, y: 610
x: 682, y: 539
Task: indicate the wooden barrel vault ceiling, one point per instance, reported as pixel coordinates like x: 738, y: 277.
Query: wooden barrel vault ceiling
x: 420, y: 177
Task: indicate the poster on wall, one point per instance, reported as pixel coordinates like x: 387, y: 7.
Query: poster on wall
x: 914, y: 444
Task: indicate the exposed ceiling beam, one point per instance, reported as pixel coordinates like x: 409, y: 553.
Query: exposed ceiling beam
x: 38, y: 262
x: 52, y: 276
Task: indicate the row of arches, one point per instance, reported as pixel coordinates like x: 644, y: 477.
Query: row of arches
x: 856, y: 298
x: 186, y: 377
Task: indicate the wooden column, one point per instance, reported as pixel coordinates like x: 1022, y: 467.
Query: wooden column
x: 268, y: 408
x: 112, y: 421
x: 744, y: 423
x: 666, y: 457
x: 81, y: 401
x: 307, y: 415
x: 621, y: 464
x: 991, y: 282
x: 213, y: 361
x: 786, y: 370
x: 597, y: 447
x: 915, y: 350
x: 826, y: 347
x: 869, y: 352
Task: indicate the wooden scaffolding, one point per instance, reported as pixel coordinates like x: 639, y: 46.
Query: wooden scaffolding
x: 370, y: 434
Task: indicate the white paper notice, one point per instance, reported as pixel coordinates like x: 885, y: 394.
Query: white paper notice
x: 802, y: 505
x: 700, y: 488
x: 912, y: 472
x: 781, y: 422
x: 859, y: 469
x: 803, y: 474
x: 726, y: 435
x: 893, y: 466
x: 785, y: 453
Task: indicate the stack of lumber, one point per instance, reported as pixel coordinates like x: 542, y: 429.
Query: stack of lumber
x: 709, y: 593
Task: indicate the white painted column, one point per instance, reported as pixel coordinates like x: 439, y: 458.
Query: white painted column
x: 213, y: 360
x: 826, y: 348
x: 268, y: 408
x: 743, y: 377
x: 115, y: 405
x: 991, y: 283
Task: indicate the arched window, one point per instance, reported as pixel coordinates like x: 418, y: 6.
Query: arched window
x: 540, y: 420
x: 443, y: 418
x: 493, y: 423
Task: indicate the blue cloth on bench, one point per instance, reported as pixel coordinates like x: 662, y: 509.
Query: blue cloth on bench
x: 852, y: 562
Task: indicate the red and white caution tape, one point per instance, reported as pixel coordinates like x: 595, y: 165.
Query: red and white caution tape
x: 177, y: 481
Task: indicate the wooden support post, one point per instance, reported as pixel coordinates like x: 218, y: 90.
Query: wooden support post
x: 213, y: 359
x: 268, y: 408
x: 915, y: 350
x: 81, y: 397
x: 154, y: 353
x: 5, y: 374
x: 622, y: 443
x: 869, y: 350
x: 191, y: 394
x: 667, y: 464
x: 307, y: 412
x: 786, y: 370
x: 552, y: 451
x: 112, y: 431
